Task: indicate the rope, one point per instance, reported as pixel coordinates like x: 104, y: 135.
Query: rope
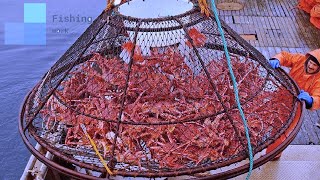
x: 204, y: 7
x: 95, y: 149
x: 235, y: 88
x: 110, y: 4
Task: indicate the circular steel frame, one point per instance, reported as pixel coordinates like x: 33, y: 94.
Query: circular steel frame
x: 295, y: 117
x: 297, y: 121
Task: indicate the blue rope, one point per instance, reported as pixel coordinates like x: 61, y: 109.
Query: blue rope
x: 235, y: 88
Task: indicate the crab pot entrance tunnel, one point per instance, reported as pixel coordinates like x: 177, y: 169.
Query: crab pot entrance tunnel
x: 155, y: 8
x: 156, y: 97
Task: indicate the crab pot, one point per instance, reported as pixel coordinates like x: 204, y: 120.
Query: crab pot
x: 156, y: 97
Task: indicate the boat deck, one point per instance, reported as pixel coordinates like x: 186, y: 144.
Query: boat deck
x: 273, y: 26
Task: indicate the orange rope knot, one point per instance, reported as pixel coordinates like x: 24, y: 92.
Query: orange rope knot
x: 204, y: 7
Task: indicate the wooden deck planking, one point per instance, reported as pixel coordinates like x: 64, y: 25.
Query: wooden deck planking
x: 279, y: 26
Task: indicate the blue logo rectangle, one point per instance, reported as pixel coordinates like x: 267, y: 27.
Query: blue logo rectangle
x: 35, y: 34
x: 35, y: 12
x: 32, y: 31
x: 25, y: 34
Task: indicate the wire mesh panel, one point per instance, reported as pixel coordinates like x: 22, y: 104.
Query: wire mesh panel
x: 156, y: 97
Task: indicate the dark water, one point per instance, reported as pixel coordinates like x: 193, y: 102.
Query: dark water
x: 22, y: 66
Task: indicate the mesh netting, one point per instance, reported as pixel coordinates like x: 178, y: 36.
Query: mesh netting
x: 157, y: 98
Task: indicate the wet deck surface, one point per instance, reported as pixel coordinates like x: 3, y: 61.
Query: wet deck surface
x: 273, y: 26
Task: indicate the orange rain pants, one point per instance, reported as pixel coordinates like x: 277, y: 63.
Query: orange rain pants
x: 307, y: 5
x: 312, y: 7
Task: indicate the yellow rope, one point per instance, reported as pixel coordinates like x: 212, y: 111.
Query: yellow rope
x: 204, y: 7
x: 96, y: 149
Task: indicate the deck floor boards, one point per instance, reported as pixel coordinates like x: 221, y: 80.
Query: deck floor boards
x: 278, y: 26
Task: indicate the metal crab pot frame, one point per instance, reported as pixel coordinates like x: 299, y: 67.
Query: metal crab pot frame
x: 105, y: 37
x: 224, y: 175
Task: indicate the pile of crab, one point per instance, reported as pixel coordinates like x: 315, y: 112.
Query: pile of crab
x: 158, y: 110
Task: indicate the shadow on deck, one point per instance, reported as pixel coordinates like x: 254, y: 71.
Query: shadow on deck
x: 273, y: 26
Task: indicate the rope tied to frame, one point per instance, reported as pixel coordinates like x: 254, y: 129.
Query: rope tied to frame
x: 203, y: 4
x: 235, y: 88
x: 110, y: 5
x: 204, y: 8
x: 96, y: 149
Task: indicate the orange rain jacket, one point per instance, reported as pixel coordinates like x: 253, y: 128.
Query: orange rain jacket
x: 306, y: 82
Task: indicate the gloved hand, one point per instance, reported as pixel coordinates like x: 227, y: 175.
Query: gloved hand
x: 274, y: 63
x: 304, y: 96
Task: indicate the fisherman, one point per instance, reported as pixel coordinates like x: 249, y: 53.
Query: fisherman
x: 305, y: 71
